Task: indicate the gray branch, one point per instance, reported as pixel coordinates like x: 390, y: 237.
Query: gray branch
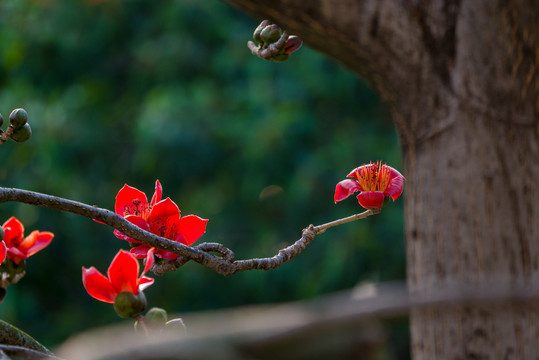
x: 24, y: 353
x: 223, y: 264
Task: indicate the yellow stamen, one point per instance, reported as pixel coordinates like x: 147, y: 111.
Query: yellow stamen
x: 373, y: 177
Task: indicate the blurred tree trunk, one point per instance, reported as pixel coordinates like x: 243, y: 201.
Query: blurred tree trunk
x: 460, y: 78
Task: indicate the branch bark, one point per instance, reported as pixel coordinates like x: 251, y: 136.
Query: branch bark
x: 225, y: 264
x: 5, y: 135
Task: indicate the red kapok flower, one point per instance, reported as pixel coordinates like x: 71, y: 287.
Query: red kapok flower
x: 18, y: 248
x: 375, y: 182
x: 122, y: 277
x: 160, y: 217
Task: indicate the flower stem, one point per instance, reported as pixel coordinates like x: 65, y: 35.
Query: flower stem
x: 322, y: 228
x: 139, y: 321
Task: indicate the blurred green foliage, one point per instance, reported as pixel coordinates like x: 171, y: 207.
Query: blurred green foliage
x: 133, y: 91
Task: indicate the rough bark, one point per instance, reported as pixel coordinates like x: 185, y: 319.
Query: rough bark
x: 460, y: 78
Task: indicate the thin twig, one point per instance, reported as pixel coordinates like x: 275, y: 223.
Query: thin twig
x: 139, y: 321
x: 5, y: 135
x: 225, y: 264
x: 322, y: 228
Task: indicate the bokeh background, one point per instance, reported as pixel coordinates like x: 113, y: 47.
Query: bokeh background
x: 133, y: 91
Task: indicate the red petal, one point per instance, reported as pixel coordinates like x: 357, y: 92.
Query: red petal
x: 164, y: 208
x: 135, y: 220
x: 127, y: 198
x: 36, y: 241
x: 123, y: 272
x: 192, y: 228
x: 164, y: 219
x: 353, y: 173
x: 97, y: 285
x: 371, y: 199
x: 167, y: 255
x: 15, y: 255
x: 120, y: 235
x: 396, y: 182
x: 140, y: 252
x: 3, y: 251
x: 145, y: 282
x: 28, y: 242
x: 13, y: 232
x: 157, y: 194
x: 345, y: 188
x: 150, y: 260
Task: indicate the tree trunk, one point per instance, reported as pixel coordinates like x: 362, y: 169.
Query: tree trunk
x: 460, y: 78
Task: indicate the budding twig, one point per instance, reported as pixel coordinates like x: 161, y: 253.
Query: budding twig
x: 322, y: 228
x: 224, y: 264
x: 5, y: 135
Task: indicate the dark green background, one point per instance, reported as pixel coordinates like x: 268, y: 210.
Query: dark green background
x: 133, y: 91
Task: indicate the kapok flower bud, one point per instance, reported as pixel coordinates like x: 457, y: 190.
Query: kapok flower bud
x: 270, y: 34
x: 156, y: 318
x: 128, y: 304
x: 18, y: 118
x: 292, y: 44
x: 22, y: 134
x: 258, y: 30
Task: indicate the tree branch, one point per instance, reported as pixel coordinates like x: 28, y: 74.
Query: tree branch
x: 224, y: 264
x: 24, y: 353
x: 5, y: 135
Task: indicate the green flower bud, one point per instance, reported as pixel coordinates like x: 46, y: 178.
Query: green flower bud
x: 270, y: 34
x: 1, y: 233
x: 156, y: 318
x: 128, y: 304
x: 22, y: 134
x: 258, y: 30
x: 18, y: 118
